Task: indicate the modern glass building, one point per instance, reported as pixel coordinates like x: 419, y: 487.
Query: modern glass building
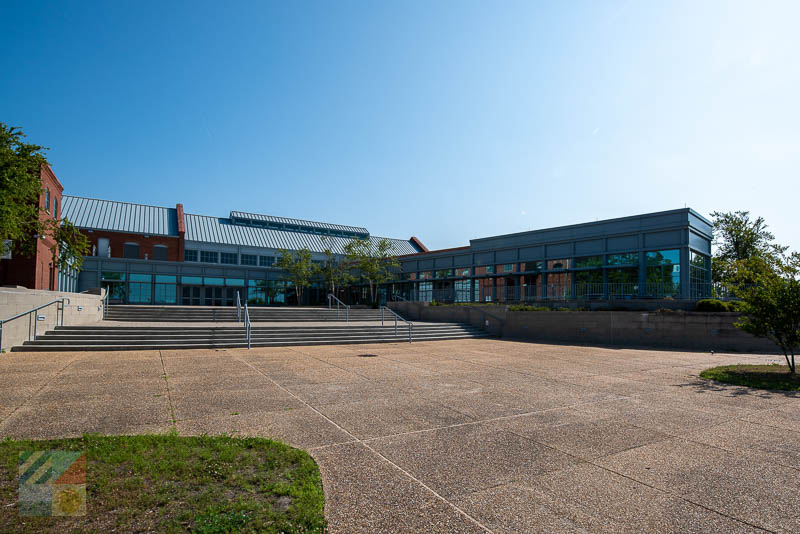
x: 656, y: 255
x: 156, y: 255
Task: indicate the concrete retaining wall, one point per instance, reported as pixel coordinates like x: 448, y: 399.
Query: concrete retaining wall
x: 672, y: 330
x: 18, y: 300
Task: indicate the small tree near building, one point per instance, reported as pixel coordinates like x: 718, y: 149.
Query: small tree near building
x: 374, y: 261
x: 300, y: 268
x: 21, y: 218
x: 770, y: 294
x: 335, y: 272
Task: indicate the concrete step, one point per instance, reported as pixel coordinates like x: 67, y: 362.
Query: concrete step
x: 70, y: 348
x: 90, y: 337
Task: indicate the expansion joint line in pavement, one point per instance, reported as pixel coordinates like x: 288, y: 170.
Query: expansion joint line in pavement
x: 364, y: 444
x: 623, y: 475
x: 169, y: 395
x: 46, y: 383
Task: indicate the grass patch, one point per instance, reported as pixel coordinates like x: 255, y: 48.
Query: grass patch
x: 169, y: 483
x: 772, y: 376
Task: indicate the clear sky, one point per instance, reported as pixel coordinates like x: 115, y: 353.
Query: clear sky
x: 446, y: 120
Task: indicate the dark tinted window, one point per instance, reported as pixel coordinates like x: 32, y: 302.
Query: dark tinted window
x: 130, y: 250
x: 160, y: 252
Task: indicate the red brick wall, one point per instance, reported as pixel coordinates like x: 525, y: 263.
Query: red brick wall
x: 117, y: 241
x: 37, y: 271
x: 46, y: 272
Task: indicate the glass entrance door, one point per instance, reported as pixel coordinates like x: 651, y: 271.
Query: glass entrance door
x: 230, y: 295
x: 213, y: 296
x: 191, y: 296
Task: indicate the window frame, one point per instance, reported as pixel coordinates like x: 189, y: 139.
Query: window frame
x: 203, y: 253
x: 230, y: 256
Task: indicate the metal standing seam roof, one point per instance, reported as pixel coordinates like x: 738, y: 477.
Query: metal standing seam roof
x: 205, y: 229
x: 298, y: 222
x: 113, y: 216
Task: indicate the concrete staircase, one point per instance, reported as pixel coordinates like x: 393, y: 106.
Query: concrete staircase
x: 146, y: 337
x: 208, y: 314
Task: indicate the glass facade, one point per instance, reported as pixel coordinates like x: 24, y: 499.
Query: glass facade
x: 623, y: 282
x: 589, y: 284
x: 530, y: 266
x: 140, y: 288
x: 631, y: 271
x: 588, y: 262
x: 628, y: 258
x: 462, y: 290
x: 699, y: 275
x: 663, y: 275
x: 207, y: 256
x: 426, y: 291
x: 557, y: 265
x: 166, y: 289
x: 257, y: 292
x: 114, y: 284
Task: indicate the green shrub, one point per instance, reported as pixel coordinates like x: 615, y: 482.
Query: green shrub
x: 734, y: 306
x: 522, y: 307
x: 711, y: 305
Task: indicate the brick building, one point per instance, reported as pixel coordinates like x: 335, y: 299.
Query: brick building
x: 37, y: 271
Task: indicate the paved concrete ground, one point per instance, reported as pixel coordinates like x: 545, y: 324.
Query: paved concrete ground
x: 461, y: 436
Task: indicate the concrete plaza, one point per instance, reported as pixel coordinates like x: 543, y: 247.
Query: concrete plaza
x: 458, y: 436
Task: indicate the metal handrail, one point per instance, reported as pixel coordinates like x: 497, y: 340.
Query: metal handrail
x: 59, y: 307
x: 396, y: 317
x: 247, y: 324
x: 338, y: 302
x: 397, y: 297
x: 105, y: 303
x: 238, y: 308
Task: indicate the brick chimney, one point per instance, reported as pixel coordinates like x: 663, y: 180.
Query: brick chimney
x: 181, y: 230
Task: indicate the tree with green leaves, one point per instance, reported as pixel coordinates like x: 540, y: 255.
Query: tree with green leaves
x: 335, y: 272
x: 374, y: 261
x: 22, y: 220
x: 769, y: 290
x: 739, y: 238
x: 300, y: 268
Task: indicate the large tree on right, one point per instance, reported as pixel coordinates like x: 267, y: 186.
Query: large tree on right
x: 769, y: 290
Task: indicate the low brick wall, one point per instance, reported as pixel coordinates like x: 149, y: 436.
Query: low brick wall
x: 669, y: 330
x: 18, y: 300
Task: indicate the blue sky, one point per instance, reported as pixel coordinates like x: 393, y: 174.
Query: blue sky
x: 446, y: 120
